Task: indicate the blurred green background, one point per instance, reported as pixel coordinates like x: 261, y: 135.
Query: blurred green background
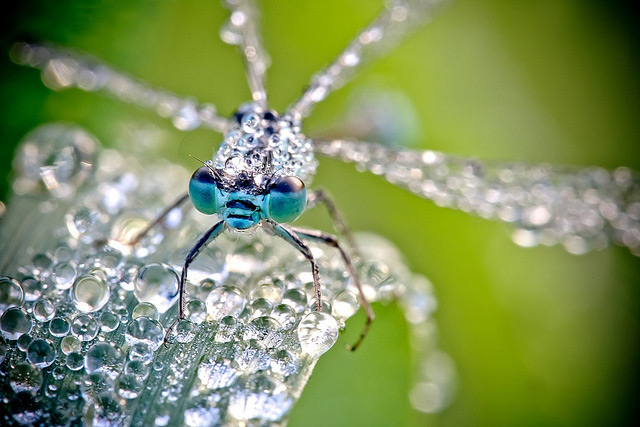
x: 539, y: 337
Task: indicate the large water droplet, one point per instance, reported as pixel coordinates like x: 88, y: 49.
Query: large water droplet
x: 85, y: 327
x: 44, y: 310
x: 90, y: 293
x: 41, y: 353
x: 70, y: 344
x: 63, y: 274
x: 25, y: 377
x: 109, y: 321
x: 317, y: 333
x: 32, y: 288
x: 158, y: 285
x: 196, y: 311
x: 128, y: 386
x: 296, y: 299
x: 145, y: 330
x: 14, y: 323
x: 11, y: 293
x: 74, y: 361
x: 59, y: 327
x: 225, y: 301
x: 103, y: 357
x: 145, y: 309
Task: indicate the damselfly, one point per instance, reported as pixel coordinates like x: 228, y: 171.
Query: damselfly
x: 451, y: 181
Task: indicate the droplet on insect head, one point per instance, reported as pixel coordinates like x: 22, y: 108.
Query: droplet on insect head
x: 41, y: 353
x: 157, y: 284
x: 14, y: 323
x: 317, y: 333
x: 90, y: 293
x: 11, y: 293
x: 225, y: 301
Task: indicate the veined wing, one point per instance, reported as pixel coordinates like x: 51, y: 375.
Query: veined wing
x: 581, y: 208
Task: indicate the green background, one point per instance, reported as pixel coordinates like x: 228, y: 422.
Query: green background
x: 539, y: 337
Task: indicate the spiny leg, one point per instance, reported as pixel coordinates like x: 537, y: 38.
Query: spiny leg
x: 243, y: 31
x: 321, y: 196
x: 333, y: 242
x: 206, y: 238
x: 159, y: 218
x: 383, y: 32
x: 292, y: 238
x: 72, y: 67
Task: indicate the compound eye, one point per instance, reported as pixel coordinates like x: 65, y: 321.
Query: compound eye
x: 286, y: 199
x: 202, y: 191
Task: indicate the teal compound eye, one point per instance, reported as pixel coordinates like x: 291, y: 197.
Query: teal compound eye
x: 286, y: 199
x: 202, y: 191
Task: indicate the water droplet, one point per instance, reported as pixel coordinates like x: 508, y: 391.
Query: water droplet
x: 317, y: 333
x: 225, y: 301
x: 158, y: 285
x: 103, y: 357
x: 268, y: 291
x: 128, y: 276
x: 41, y: 353
x: 90, y: 293
x: 11, y: 293
x: 146, y: 331
x: 265, y: 330
x: 227, y: 328
x: 128, y: 386
x: 109, y: 321
x: 296, y: 299
x: 137, y: 368
x: 262, y: 399
x: 75, y: 361
x: 32, y: 288
x: 196, y: 311
x: 25, y: 377
x: 142, y: 352
x: 94, y: 385
x: 260, y: 307
x: 85, y: 224
x: 215, y: 374
x: 59, y: 327
x: 106, y: 411
x: 44, y: 310
x: 64, y: 274
x: 202, y: 411
x: 145, y: 309
x: 345, y: 304
x: 42, y: 265
x: 285, y: 315
x: 185, y: 331
x: 85, y: 327
x: 14, y: 323
x: 70, y: 344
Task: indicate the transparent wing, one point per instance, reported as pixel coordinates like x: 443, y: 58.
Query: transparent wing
x: 581, y: 208
x: 387, y: 29
x: 64, y: 68
x: 243, y: 30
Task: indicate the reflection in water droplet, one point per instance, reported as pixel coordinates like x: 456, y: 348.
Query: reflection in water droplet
x: 196, y: 311
x: 145, y: 330
x: 25, y: 377
x: 24, y: 341
x: 41, y: 353
x: 225, y: 301
x: 285, y: 315
x: 85, y: 327
x: 345, y: 304
x: 296, y: 299
x: 90, y: 293
x: 59, y: 327
x: 109, y: 321
x: 11, y: 293
x: 75, y: 361
x: 32, y: 288
x: 137, y: 368
x: 70, y: 344
x: 158, y: 285
x: 103, y: 357
x: 317, y: 333
x: 185, y: 331
x: 265, y: 330
x: 128, y: 386
x: 44, y: 310
x: 145, y: 309
x: 14, y: 323
x: 64, y: 274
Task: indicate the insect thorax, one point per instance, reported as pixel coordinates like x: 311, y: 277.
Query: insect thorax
x: 261, y: 143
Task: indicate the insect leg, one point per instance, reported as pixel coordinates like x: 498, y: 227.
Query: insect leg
x: 321, y: 196
x: 206, y: 238
x: 293, y: 239
x: 333, y: 242
x: 159, y: 219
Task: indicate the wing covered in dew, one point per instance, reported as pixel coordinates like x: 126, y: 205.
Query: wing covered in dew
x: 242, y: 30
x: 397, y: 19
x: 581, y: 208
x: 63, y: 68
